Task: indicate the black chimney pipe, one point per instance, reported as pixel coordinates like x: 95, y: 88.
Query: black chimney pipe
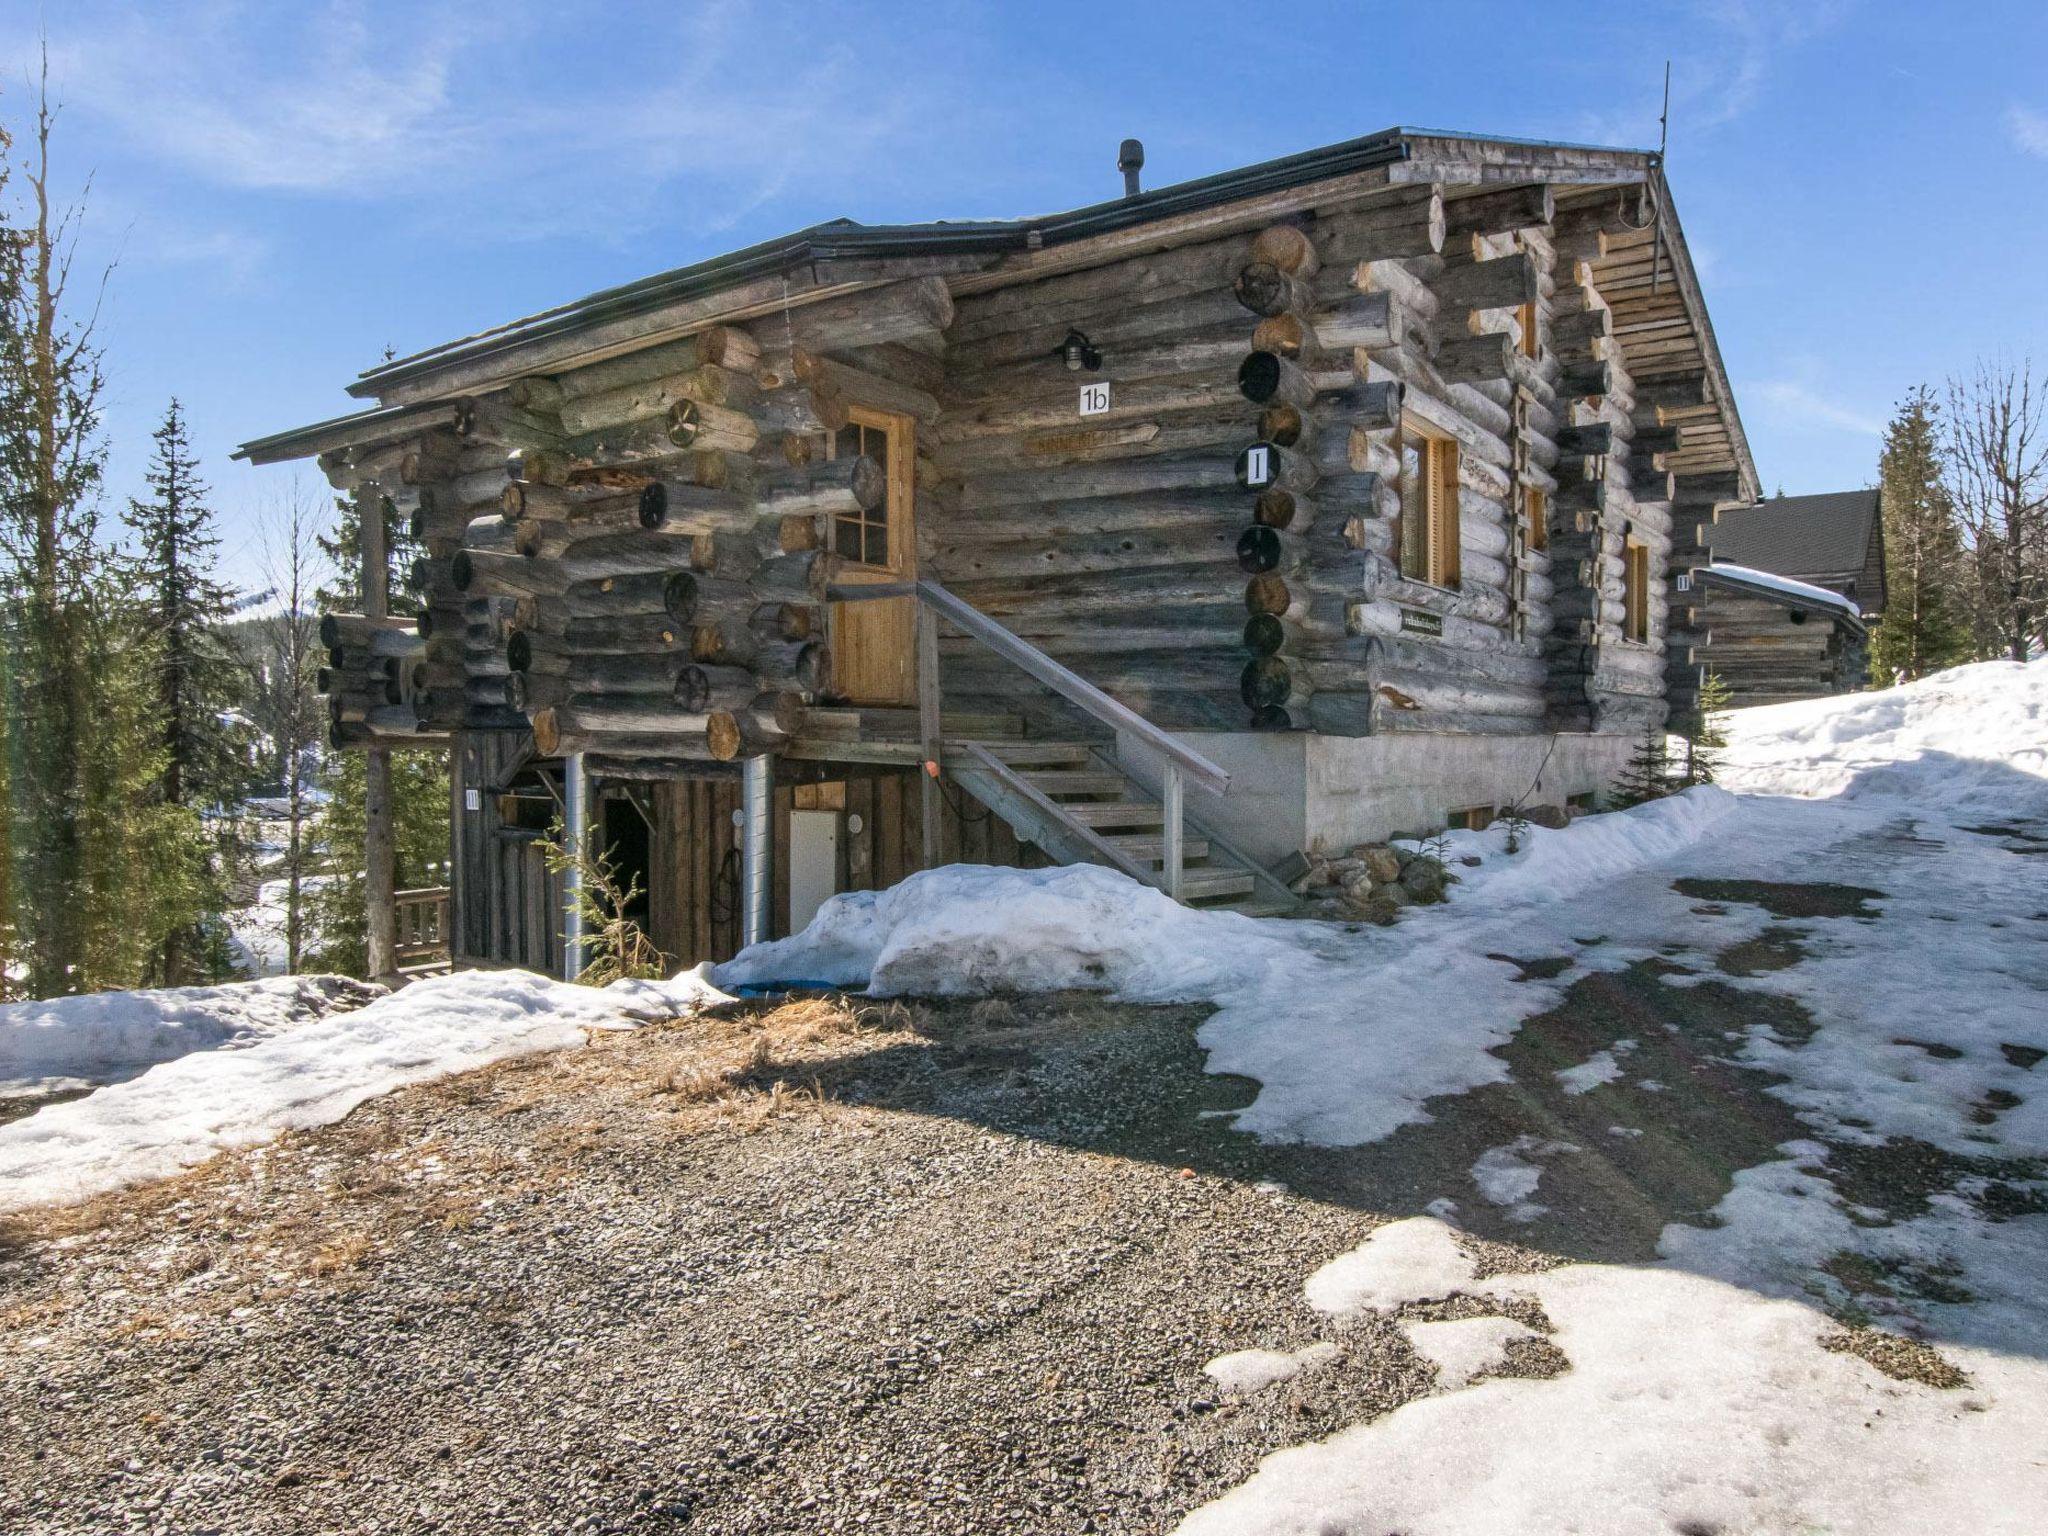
x: 1130, y: 159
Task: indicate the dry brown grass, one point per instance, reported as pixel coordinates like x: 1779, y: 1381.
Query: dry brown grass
x: 342, y: 1255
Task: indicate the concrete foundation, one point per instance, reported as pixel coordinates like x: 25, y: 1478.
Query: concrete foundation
x: 1296, y: 791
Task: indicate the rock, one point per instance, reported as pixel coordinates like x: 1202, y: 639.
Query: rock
x: 1424, y: 879
x: 1358, y: 890
x: 1382, y: 861
x: 1555, y: 817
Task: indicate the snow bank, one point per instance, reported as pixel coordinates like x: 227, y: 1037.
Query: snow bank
x: 1971, y: 740
x: 184, y: 1111
x: 106, y: 1035
x: 966, y: 929
x: 1345, y: 1031
x: 1591, y: 851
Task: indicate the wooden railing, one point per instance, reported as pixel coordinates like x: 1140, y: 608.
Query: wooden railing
x: 1179, y: 763
x: 421, y: 921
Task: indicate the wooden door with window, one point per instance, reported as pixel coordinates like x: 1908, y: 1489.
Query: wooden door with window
x: 874, y: 644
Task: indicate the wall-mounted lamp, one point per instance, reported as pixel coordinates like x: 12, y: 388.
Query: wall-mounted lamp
x: 1079, y: 352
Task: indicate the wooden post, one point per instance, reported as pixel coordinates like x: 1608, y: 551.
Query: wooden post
x: 1169, y: 803
x: 380, y: 843
x: 929, y: 728
x: 576, y: 833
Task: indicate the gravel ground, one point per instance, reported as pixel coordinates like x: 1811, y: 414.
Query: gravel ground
x: 829, y: 1266
x: 901, y: 1269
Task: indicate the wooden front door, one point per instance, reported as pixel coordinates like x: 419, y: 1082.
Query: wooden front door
x: 874, y: 644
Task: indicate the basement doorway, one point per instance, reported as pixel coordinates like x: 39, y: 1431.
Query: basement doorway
x: 626, y: 842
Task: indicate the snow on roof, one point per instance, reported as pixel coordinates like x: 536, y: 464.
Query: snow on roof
x: 1787, y: 586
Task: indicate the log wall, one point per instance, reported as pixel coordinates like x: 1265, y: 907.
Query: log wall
x: 1769, y: 653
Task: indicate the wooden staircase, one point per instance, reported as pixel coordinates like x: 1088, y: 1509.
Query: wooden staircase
x: 1079, y: 806
x: 1070, y: 798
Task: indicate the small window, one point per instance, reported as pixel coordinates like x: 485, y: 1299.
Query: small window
x: 1429, y: 505
x: 863, y: 535
x: 1636, y: 598
x: 1536, y: 509
x: 1475, y: 818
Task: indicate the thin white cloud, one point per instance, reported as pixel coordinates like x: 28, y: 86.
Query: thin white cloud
x: 468, y: 126
x: 1729, y: 50
x: 1799, y: 402
x: 2028, y: 129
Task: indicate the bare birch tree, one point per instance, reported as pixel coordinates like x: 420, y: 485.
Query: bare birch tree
x: 1997, y: 473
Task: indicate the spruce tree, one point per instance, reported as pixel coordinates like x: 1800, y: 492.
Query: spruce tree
x: 1926, y: 623
x: 199, y: 683
x: 1705, y: 732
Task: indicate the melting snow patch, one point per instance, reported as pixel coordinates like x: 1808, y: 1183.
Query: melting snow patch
x: 1254, y: 1370
x: 1505, y: 1175
x: 1412, y: 1260
x: 1598, y: 1068
x: 182, y: 1112
x: 1346, y: 1033
x: 1464, y: 1347
x: 1689, y: 1405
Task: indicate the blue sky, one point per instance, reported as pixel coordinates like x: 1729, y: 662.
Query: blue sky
x: 288, y: 188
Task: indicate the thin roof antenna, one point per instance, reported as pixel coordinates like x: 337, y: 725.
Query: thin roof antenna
x: 1663, y: 143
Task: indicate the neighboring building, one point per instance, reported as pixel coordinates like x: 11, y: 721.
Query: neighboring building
x: 1773, y: 640
x: 1351, y: 483
x: 1834, y: 540
x: 1783, y: 612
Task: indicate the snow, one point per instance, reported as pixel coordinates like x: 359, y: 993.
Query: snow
x: 1417, y: 1259
x: 106, y: 1035
x: 1788, y: 586
x: 1970, y: 740
x: 1465, y: 1347
x: 1690, y: 1405
x: 1600, y: 1067
x: 183, y: 1111
x: 1253, y: 1370
x: 257, y: 931
x: 1507, y: 1176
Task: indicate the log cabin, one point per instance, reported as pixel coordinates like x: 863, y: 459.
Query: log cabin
x: 1331, y: 498
x: 1772, y: 640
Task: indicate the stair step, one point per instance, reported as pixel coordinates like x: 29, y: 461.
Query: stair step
x: 1116, y: 813
x: 1150, y: 847
x: 1032, y: 754
x: 1205, y: 884
x: 1077, y: 781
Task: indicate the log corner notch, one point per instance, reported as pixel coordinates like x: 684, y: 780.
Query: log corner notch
x: 658, y: 543
x: 1316, y: 505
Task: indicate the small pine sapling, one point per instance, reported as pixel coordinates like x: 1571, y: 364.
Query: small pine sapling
x: 616, y: 947
x: 1647, y: 776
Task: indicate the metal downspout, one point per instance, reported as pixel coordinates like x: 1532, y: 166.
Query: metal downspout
x: 757, y: 827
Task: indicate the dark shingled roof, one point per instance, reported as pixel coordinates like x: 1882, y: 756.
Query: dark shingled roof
x: 1820, y: 539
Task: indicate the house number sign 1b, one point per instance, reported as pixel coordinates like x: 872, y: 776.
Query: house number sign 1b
x: 1095, y: 398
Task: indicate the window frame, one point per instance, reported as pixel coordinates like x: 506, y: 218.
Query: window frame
x: 884, y: 516
x: 1440, y: 523
x: 1635, y: 556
